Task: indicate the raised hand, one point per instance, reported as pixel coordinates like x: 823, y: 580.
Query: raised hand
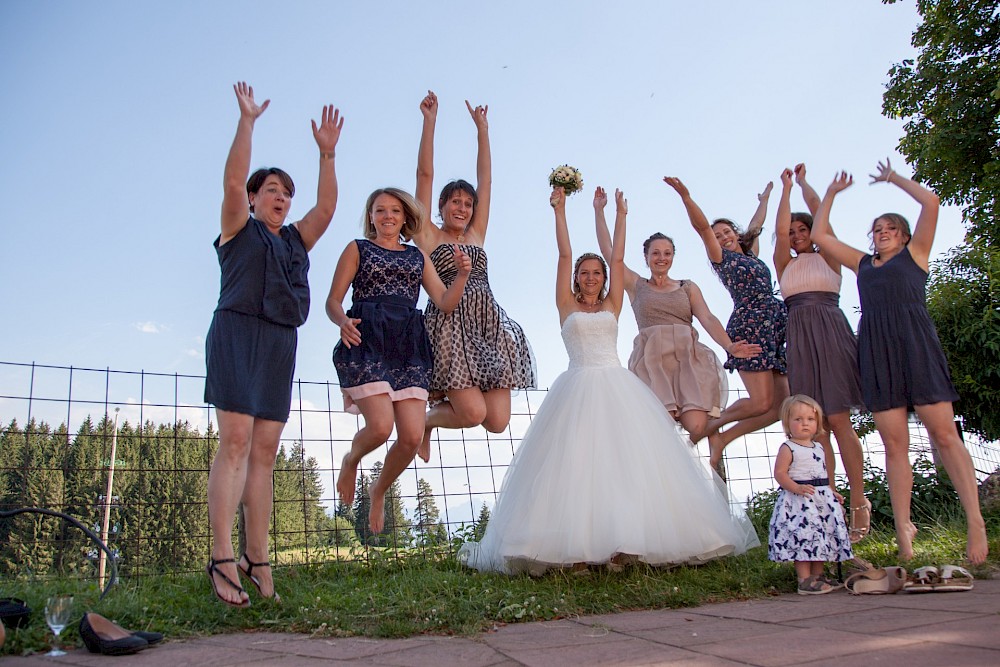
x: 349, y: 333
x: 248, y: 107
x: 429, y: 105
x: 677, y: 185
x: 800, y: 173
x: 786, y: 179
x: 621, y: 204
x: 842, y: 181
x: 767, y: 191
x: 885, y: 172
x: 600, y: 198
x: 327, y: 133
x: 557, y: 199
x: 462, y: 261
x: 478, y: 115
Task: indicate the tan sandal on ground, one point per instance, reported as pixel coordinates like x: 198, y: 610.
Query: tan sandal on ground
x: 860, y: 529
x: 882, y: 581
x: 923, y: 580
x: 954, y: 579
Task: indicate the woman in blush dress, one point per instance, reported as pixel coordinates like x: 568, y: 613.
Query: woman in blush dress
x: 822, y: 350
x: 899, y: 354
x: 602, y: 475
x: 757, y: 317
x: 480, y: 354
x: 685, y: 375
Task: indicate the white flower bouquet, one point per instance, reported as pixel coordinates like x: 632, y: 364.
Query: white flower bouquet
x: 568, y: 177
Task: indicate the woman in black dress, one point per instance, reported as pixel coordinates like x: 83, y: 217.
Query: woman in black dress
x: 902, y: 364
x: 250, y: 347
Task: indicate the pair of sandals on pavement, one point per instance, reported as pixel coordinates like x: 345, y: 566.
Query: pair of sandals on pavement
x: 887, y: 580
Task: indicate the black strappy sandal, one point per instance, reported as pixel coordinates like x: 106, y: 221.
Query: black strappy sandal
x: 212, y: 569
x: 254, y: 580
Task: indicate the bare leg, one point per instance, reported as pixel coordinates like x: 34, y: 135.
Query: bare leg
x: 258, y: 496
x: 769, y: 384
x: 226, y: 482
x: 464, y: 408
x: 378, y: 414
x: 854, y: 461
x: 895, y: 433
x: 695, y: 422
x: 939, y: 420
x: 409, y: 416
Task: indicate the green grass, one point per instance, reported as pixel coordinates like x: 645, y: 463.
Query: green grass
x: 420, y: 594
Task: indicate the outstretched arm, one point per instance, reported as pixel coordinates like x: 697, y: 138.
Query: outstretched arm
x: 484, y: 171
x: 564, y: 268
x: 604, y: 237
x: 425, y: 168
x: 923, y: 234
x: 808, y: 193
x: 783, y: 223
x: 822, y: 233
x: 235, y: 206
x: 757, y: 220
x: 446, y: 299
x: 616, y: 264
x: 312, y: 226
x: 714, y: 328
x: 697, y: 218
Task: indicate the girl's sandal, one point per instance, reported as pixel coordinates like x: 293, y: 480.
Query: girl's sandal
x: 815, y: 585
x: 860, y: 529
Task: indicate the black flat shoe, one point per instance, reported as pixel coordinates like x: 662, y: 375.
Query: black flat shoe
x: 150, y: 637
x: 100, y: 635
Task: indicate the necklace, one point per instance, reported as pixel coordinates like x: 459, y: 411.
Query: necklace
x: 590, y: 306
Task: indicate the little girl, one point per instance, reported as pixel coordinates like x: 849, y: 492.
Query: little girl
x: 807, y: 525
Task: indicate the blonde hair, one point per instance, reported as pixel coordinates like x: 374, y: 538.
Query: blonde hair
x: 412, y: 210
x: 576, y: 272
x: 800, y: 399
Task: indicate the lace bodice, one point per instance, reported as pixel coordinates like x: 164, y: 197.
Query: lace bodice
x: 591, y: 339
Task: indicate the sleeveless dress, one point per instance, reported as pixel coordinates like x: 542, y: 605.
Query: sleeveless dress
x: 899, y: 353
x: 758, y: 317
x: 395, y: 355
x: 263, y: 299
x: 666, y: 355
x: 477, y: 344
x: 822, y: 350
x: 602, y: 470
x: 808, y: 527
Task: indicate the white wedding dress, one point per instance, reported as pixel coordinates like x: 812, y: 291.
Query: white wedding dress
x: 603, y: 470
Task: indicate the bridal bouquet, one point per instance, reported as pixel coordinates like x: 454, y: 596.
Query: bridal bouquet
x: 568, y: 177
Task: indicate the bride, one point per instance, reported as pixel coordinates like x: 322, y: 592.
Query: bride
x: 602, y: 475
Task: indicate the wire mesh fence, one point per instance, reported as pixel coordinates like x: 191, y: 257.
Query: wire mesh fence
x: 136, y: 447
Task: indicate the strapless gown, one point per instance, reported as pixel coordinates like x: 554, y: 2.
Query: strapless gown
x: 603, y: 470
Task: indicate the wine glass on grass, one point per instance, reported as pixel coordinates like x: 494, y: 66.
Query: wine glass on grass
x: 58, y: 610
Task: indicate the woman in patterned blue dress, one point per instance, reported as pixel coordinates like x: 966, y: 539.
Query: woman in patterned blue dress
x: 383, y: 358
x: 480, y: 353
x: 250, y: 347
x: 758, y: 317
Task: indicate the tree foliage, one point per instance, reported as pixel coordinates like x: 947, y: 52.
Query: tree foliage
x: 950, y: 99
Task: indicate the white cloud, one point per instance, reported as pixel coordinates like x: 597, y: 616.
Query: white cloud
x: 149, y: 327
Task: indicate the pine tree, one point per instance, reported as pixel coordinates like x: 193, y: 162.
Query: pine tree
x: 427, y: 518
x: 479, y: 527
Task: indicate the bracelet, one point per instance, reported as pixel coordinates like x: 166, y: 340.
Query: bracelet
x: 326, y: 156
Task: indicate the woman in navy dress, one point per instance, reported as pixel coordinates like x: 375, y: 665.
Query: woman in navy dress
x: 899, y: 354
x: 384, y: 357
x: 758, y: 318
x: 250, y: 347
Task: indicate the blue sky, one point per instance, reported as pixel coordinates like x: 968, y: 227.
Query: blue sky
x: 118, y: 116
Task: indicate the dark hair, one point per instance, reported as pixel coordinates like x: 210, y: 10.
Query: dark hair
x: 464, y: 186
x: 576, y: 268
x: 658, y: 236
x: 256, y: 181
x: 805, y: 218
x: 413, y: 213
x: 903, y: 223
x: 746, y: 238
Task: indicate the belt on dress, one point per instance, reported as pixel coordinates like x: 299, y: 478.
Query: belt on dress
x: 816, y: 481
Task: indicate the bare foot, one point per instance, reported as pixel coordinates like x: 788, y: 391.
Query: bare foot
x: 424, y: 450
x: 715, y: 446
x: 376, y: 509
x: 230, y: 591
x: 977, y: 546
x: 861, y: 520
x: 904, y: 540
x: 346, y: 480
